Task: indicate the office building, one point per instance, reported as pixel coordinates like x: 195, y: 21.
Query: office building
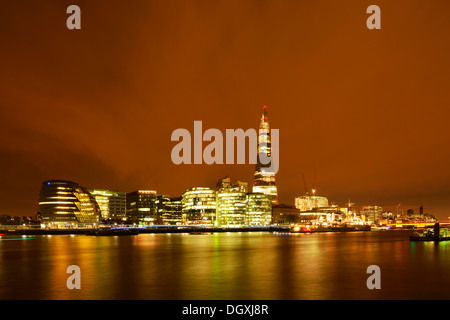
x: 67, y: 204
x: 112, y: 204
x: 141, y: 207
x: 169, y: 210
x: 199, y: 206
x: 225, y: 184
x: 372, y: 214
x: 231, y: 207
x: 259, y: 209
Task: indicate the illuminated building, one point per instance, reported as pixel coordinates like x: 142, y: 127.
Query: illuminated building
x: 112, y: 203
x: 237, y: 207
x: 67, y: 204
x: 141, y: 207
x: 225, y: 184
x: 231, y: 207
x: 307, y: 202
x: 259, y: 209
x: 199, y: 206
x: 329, y: 214
x: 169, y: 209
x: 372, y: 214
x: 264, y: 177
x: 314, y: 215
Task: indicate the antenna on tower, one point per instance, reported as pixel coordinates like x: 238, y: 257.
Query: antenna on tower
x: 349, y: 203
x: 314, y: 182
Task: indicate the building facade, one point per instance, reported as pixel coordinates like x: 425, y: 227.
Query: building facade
x: 259, y: 209
x: 308, y: 203
x: 67, y: 204
x: 231, y: 207
x: 199, y: 206
x: 112, y: 204
x: 169, y: 210
x: 141, y: 207
x: 372, y: 214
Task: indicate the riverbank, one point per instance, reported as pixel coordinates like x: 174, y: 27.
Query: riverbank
x: 156, y: 229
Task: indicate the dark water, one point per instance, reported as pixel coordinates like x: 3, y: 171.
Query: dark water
x: 225, y: 266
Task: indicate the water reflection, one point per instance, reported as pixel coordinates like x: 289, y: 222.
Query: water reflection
x: 226, y: 266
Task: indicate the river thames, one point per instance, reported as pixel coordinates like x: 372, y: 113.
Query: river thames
x: 224, y: 266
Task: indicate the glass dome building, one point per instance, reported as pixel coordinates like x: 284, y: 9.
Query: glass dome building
x: 67, y: 204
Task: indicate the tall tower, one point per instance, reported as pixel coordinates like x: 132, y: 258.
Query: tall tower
x: 264, y: 178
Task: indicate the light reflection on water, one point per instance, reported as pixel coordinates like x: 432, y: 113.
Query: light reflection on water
x: 226, y: 266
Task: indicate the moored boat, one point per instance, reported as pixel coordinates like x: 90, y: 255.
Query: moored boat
x: 432, y: 234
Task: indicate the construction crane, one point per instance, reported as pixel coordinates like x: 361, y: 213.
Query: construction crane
x: 304, y: 183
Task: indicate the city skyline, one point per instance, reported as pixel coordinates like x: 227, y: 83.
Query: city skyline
x: 366, y: 110
x: 264, y: 181
x: 224, y: 186
x: 227, y: 204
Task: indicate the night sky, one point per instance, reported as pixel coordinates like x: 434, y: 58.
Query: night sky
x: 367, y: 110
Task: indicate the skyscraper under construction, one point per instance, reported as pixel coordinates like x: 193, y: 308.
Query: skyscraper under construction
x: 264, y: 178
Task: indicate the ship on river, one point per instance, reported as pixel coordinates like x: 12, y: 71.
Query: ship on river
x: 437, y: 233
x: 310, y: 228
